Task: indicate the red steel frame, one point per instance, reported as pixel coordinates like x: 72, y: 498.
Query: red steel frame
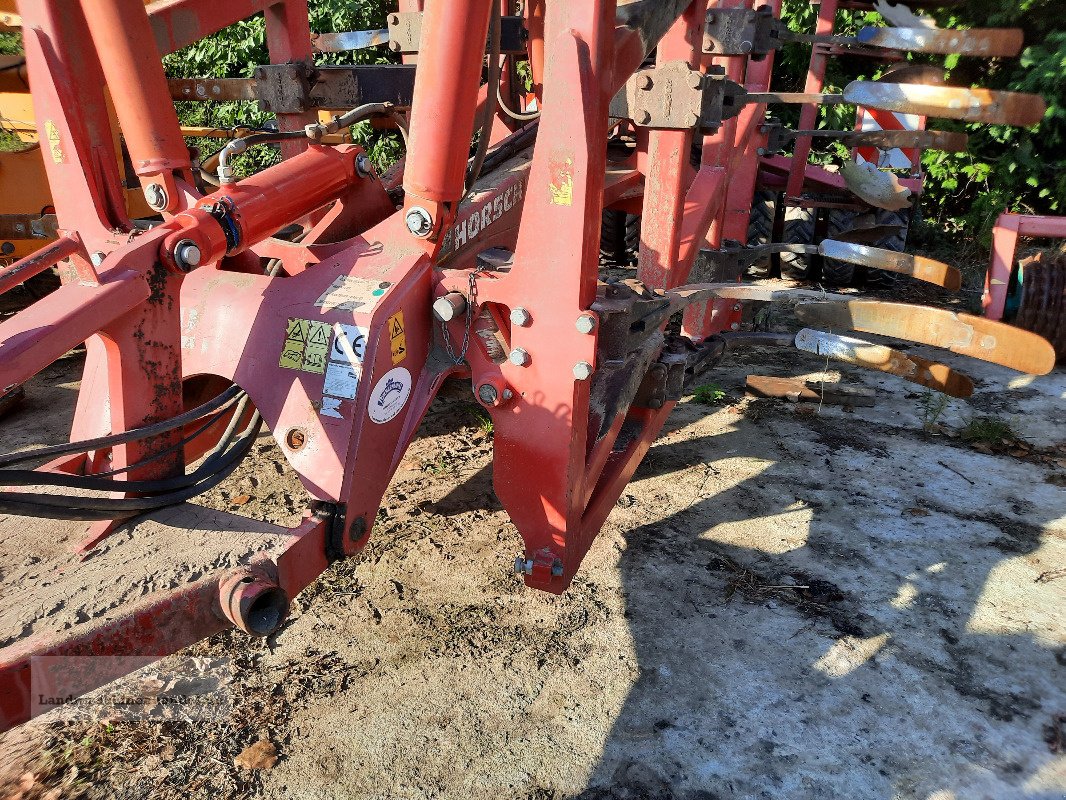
x: 1008, y: 229
x: 152, y: 332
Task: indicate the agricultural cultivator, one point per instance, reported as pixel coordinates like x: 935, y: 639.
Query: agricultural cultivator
x: 329, y: 303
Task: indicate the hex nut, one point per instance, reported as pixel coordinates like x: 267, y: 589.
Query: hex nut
x: 519, y: 357
x: 586, y: 323
x: 487, y: 393
x: 582, y: 370
x: 419, y: 222
x: 520, y: 317
x: 155, y: 195
x: 187, y: 254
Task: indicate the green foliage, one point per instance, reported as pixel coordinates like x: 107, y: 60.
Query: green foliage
x: 236, y: 51
x: 709, y: 395
x: 1006, y: 168
x: 10, y: 43
x: 991, y: 430
x: 932, y: 406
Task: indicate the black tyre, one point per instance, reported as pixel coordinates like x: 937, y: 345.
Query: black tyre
x: 613, y: 236
x: 761, y: 230
x: 839, y: 273
x: 799, y: 229
x: 897, y: 242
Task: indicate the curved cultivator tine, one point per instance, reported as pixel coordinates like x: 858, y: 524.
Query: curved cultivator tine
x: 983, y: 43
x: 876, y: 187
x: 948, y: 141
x: 964, y: 334
x: 882, y: 358
x: 948, y: 102
x: 919, y: 267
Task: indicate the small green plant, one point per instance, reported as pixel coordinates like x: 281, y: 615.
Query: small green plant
x: 482, y: 420
x: 709, y: 395
x: 439, y: 466
x: 932, y: 405
x: 991, y: 430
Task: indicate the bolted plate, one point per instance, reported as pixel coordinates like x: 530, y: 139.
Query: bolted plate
x: 949, y: 102
x: 882, y: 358
x: 918, y: 267
x: 982, y: 42
x: 964, y: 334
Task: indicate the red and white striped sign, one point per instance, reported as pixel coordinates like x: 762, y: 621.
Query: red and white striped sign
x: 874, y: 120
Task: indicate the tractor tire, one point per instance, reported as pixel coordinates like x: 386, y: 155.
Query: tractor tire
x: 799, y: 229
x: 761, y: 230
x: 620, y: 237
x: 839, y: 273
x: 1043, y: 299
x: 897, y: 243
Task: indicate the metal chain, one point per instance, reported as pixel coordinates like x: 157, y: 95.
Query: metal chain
x: 471, y: 312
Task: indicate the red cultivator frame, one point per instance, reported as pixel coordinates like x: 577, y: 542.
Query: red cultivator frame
x: 340, y: 337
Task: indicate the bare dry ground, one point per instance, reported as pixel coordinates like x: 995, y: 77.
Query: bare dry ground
x: 787, y: 602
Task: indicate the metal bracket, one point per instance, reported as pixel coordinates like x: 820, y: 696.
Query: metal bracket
x: 297, y: 87
x: 742, y: 32
x: 675, y: 96
x: 405, y: 33
x: 28, y: 226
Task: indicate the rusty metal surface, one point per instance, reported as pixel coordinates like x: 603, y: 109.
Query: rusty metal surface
x: 404, y: 34
x: 928, y: 74
x: 670, y: 96
x: 964, y: 334
x: 984, y: 43
x: 918, y: 267
x: 343, y: 41
x: 949, y: 141
x: 885, y: 359
x: 28, y: 226
x: 949, y: 102
x: 740, y: 31
x: 212, y: 88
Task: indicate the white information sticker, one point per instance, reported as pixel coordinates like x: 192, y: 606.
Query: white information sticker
x: 341, y: 381
x: 390, y: 395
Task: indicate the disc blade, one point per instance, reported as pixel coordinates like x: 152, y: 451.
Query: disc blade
x: 981, y: 42
x: 964, y: 334
x: 702, y: 292
x: 948, y: 141
x: 882, y: 358
x: 918, y: 267
x: 870, y: 234
x: 873, y: 186
x: 949, y: 102
x: 927, y: 74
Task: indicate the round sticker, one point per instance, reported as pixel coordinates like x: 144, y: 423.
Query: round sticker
x: 390, y: 395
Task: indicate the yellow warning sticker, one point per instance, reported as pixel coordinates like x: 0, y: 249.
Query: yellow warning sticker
x: 55, y: 145
x: 306, y: 346
x: 397, y: 338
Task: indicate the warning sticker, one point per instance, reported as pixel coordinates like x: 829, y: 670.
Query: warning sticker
x: 397, y: 338
x: 306, y: 346
x: 55, y: 142
x: 349, y: 293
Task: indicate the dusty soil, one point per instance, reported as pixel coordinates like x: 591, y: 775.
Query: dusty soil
x: 787, y: 601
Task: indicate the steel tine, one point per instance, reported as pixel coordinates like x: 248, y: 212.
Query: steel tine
x: 949, y: 102
x: 949, y: 141
x: 344, y: 41
x: 918, y: 267
x: 981, y: 42
x: 964, y: 334
x: 882, y: 358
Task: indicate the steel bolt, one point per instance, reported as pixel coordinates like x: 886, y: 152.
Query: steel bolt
x: 394, y: 19
x: 487, y: 393
x: 156, y: 196
x: 419, y: 222
x: 644, y: 81
x: 520, y: 317
x: 735, y: 326
x: 736, y: 307
x: 97, y: 258
x: 507, y: 394
x: 187, y: 254
x: 582, y: 370
x: 586, y: 323
x: 449, y: 307
x: 362, y: 165
x: 519, y: 357
x: 642, y: 117
x: 523, y: 566
x: 557, y: 568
